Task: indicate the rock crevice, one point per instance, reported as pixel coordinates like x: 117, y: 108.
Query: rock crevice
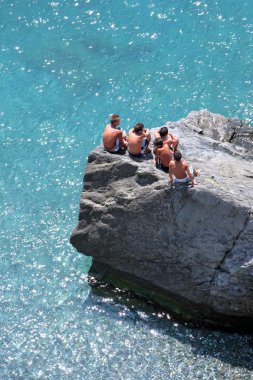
x: 234, y: 242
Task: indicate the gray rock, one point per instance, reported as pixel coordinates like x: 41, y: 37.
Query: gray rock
x: 223, y: 129
x: 190, y: 249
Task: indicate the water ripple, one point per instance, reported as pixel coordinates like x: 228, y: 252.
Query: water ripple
x: 64, y: 66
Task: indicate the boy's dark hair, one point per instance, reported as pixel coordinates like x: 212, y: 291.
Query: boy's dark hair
x: 114, y: 118
x: 138, y: 127
x: 177, y: 156
x: 158, y: 142
x: 163, y: 131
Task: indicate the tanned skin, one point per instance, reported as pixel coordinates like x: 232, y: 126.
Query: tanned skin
x: 169, y: 139
x: 135, y: 140
x: 111, y: 134
x: 165, y: 154
x: 180, y: 170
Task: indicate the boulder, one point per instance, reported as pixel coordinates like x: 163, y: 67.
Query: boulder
x: 189, y: 250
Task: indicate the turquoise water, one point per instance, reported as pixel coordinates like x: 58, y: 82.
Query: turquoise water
x: 65, y: 66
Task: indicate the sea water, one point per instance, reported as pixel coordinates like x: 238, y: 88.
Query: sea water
x: 65, y: 66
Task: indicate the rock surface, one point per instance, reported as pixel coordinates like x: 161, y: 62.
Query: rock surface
x: 189, y: 250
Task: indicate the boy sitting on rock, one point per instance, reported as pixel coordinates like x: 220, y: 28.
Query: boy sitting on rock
x: 163, y: 155
x: 138, y: 141
x: 167, y: 137
x: 180, y: 172
x: 114, y: 140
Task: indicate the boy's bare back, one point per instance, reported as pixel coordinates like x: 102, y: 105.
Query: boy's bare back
x: 110, y: 136
x: 179, y: 169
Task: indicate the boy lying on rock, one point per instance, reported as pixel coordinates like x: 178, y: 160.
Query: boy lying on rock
x: 114, y: 139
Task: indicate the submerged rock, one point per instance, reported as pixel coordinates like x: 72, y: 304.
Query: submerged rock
x: 189, y: 250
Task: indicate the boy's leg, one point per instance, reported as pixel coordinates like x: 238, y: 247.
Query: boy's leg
x: 147, y: 142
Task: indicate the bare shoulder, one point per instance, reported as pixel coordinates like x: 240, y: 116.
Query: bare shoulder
x: 172, y: 164
x: 107, y: 128
x: 168, y: 141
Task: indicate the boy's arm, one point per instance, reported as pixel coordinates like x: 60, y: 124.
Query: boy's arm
x: 173, y: 140
x: 170, y: 177
x: 169, y: 141
x: 189, y: 174
x: 188, y: 171
x: 122, y: 141
x: 157, y: 134
x: 170, y: 173
x: 146, y: 133
x: 157, y: 154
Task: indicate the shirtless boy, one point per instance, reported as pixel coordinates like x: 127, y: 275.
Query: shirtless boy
x: 179, y: 169
x: 163, y: 154
x: 167, y: 137
x: 138, y: 141
x: 114, y: 139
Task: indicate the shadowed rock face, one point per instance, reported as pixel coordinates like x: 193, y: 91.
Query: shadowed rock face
x: 190, y: 250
